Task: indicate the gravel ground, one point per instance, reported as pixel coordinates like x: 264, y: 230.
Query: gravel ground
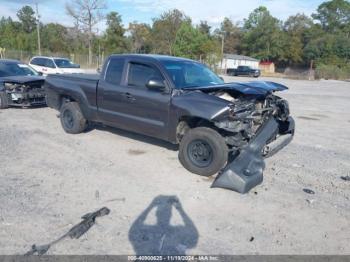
x: 49, y: 179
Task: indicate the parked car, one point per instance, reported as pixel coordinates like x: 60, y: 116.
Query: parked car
x: 54, y: 65
x: 183, y: 102
x: 20, y: 85
x: 244, y: 71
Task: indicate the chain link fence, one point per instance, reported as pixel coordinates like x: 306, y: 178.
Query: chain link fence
x: 83, y: 59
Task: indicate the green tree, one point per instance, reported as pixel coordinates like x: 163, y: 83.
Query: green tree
x: 164, y: 30
x: 232, y: 36
x: 263, y: 36
x: 54, y: 38
x: 295, y: 28
x: 27, y: 19
x: 114, y: 40
x: 190, y: 42
x: 329, y: 49
x: 12, y: 36
x: 204, y: 28
x: 327, y: 43
x: 140, y: 37
x: 334, y: 16
x: 8, y: 30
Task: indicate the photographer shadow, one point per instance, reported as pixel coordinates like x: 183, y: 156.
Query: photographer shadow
x: 162, y: 237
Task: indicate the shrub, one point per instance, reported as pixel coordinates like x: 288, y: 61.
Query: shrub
x: 332, y: 72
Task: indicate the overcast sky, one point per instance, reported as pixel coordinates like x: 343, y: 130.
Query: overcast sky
x: 144, y: 10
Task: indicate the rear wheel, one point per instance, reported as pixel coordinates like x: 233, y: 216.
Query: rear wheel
x: 203, y: 151
x: 72, y: 119
x: 3, y: 100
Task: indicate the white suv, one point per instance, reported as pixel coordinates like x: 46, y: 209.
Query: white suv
x: 54, y: 65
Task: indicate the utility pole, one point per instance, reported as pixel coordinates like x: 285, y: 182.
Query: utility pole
x: 222, y: 51
x: 38, y: 27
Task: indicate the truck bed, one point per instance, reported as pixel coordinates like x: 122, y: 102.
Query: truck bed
x: 85, y: 77
x: 79, y: 86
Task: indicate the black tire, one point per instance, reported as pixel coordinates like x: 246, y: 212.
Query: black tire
x: 72, y: 119
x: 203, y: 151
x: 3, y: 100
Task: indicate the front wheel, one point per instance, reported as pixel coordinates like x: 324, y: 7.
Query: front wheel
x: 203, y: 151
x: 3, y: 100
x: 72, y: 119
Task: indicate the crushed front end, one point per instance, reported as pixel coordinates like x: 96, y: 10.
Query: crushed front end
x: 255, y: 127
x: 25, y: 93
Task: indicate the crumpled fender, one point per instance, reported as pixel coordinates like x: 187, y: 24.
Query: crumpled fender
x: 201, y: 105
x: 246, y: 170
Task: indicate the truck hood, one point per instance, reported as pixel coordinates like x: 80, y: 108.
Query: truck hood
x: 246, y: 88
x: 21, y: 79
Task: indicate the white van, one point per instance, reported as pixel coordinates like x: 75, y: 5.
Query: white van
x: 54, y: 65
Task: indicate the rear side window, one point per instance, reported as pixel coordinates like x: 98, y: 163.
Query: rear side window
x: 140, y: 74
x: 49, y: 63
x: 115, y: 71
x: 34, y: 61
x: 38, y: 61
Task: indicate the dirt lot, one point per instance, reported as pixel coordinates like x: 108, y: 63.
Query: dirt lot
x: 49, y: 179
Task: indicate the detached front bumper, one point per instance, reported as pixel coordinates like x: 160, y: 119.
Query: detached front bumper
x: 246, y: 170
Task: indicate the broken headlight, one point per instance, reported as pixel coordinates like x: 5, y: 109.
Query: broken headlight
x: 13, y: 87
x: 283, y: 109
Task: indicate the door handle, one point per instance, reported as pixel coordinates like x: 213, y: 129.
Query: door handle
x: 129, y: 97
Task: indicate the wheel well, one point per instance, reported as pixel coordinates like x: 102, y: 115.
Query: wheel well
x: 188, y: 122
x: 64, y: 99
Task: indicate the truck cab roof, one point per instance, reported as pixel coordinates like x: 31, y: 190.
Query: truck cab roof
x: 154, y: 57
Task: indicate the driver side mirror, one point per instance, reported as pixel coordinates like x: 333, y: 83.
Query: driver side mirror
x: 156, y: 84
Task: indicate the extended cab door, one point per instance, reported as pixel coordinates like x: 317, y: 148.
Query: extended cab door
x: 131, y: 105
x: 110, y: 99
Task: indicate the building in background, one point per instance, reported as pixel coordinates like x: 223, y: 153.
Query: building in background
x: 231, y: 61
x: 267, y: 67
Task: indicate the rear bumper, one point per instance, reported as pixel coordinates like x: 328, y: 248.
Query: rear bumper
x: 246, y: 170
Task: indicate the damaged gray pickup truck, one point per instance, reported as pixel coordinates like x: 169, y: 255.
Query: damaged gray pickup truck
x: 220, y: 127
x: 20, y: 85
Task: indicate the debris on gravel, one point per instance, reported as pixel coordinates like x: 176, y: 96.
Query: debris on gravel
x: 345, y: 178
x: 309, y: 191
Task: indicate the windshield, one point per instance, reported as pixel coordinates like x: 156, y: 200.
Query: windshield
x: 187, y: 74
x: 16, y: 69
x: 65, y: 63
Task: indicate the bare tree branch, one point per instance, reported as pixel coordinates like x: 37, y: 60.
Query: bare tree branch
x: 87, y: 13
